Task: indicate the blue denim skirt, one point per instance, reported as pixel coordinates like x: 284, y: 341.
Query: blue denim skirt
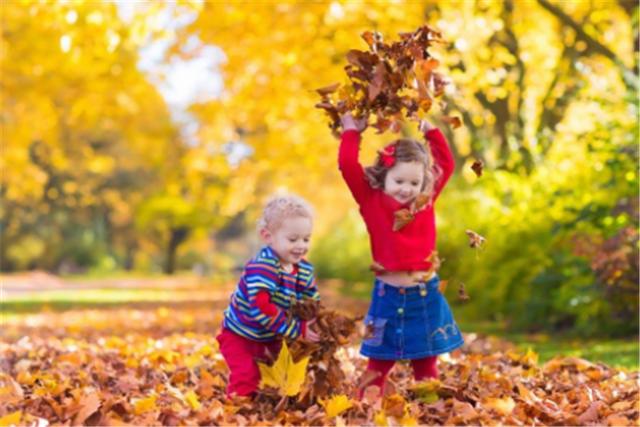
x: 409, y: 322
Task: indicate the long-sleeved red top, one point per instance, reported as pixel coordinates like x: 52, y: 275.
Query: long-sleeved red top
x: 408, y: 248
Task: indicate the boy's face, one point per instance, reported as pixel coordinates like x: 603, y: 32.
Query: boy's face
x: 290, y: 240
x: 404, y: 181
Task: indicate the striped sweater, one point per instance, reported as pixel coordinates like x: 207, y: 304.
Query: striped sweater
x: 264, y: 273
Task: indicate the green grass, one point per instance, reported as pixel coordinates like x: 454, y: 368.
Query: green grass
x: 620, y: 353
x: 616, y: 352
x: 59, y: 300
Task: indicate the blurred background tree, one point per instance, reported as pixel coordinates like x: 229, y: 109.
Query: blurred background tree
x: 99, y: 175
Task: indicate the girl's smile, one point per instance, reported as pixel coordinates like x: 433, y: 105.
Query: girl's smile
x: 404, y: 181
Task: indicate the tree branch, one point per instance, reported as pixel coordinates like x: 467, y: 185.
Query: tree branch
x: 629, y: 77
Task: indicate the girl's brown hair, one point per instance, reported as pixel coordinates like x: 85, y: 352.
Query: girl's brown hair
x: 406, y: 150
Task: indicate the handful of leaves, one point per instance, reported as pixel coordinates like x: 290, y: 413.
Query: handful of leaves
x: 389, y: 81
x: 324, y: 375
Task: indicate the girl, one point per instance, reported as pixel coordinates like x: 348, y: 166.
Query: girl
x: 256, y: 321
x: 408, y: 317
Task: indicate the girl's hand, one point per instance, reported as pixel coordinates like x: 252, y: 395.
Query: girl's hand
x: 425, y: 126
x: 310, y: 334
x: 348, y: 123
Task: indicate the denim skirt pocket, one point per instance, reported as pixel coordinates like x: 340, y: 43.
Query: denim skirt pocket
x: 374, y: 331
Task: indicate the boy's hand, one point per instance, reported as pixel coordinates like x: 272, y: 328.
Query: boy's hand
x: 310, y: 334
x: 349, y: 122
x: 425, y: 126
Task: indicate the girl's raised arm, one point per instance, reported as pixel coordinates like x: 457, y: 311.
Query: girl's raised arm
x: 348, y: 161
x: 441, y: 154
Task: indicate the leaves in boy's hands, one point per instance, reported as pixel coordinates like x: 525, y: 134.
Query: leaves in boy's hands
x: 335, y: 330
x: 390, y: 81
x: 462, y: 293
x: 305, y: 309
x: 475, y: 240
x: 402, y: 217
x: 477, y: 167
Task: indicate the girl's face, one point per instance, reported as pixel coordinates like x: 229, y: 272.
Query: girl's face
x: 404, y: 181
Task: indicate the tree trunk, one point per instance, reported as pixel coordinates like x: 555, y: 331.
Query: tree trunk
x: 178, y: 235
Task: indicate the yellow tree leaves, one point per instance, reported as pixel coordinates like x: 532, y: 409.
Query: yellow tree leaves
x: 285, y: 375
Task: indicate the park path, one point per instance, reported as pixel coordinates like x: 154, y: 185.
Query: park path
x: 189, y: 290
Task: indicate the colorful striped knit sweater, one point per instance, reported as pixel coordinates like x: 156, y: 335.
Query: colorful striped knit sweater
x: 264, y: 273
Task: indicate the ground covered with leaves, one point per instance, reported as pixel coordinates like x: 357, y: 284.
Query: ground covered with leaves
x: 162, y: 366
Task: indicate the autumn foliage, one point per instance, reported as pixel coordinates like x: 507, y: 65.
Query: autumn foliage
x: 163, y: 367
x: 391, y: 82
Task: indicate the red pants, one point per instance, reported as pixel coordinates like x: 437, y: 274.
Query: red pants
x: 422, y: 368
x: 241, y: 353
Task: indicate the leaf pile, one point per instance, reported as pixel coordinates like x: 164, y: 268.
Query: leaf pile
x: 162, y: 367
x: 388, y: 81
x: 324, y: 375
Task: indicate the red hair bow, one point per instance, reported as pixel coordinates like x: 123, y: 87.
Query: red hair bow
x: 388, y: 156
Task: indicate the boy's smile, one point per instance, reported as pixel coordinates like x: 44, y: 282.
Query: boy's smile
x: 290, y: 240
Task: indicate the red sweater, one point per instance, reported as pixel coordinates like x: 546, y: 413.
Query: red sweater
x: 407, y: 248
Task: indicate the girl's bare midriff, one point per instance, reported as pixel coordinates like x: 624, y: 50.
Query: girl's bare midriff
x: 405, y: 278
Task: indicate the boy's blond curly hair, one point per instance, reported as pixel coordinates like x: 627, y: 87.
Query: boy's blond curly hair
x: 279, y: 208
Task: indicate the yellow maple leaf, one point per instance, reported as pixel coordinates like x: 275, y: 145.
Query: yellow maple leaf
x: 336, y: 405
x: 12, y: 419
x: 408, y: 420
x: 192, y: 400
x: 285, y: 375
x: 146, y: 404
x: 380, y: 419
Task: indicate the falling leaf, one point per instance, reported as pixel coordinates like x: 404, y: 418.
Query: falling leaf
x: 462, y: 293
x: 475, y: 240
x: 477, y: 167
x: 442, y: 286
x: 455, y: 122
x: 336, y: 405
x: 285, y: 375
x: 402, y: 218
x: 435, y: 262
x: 420, y: 202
